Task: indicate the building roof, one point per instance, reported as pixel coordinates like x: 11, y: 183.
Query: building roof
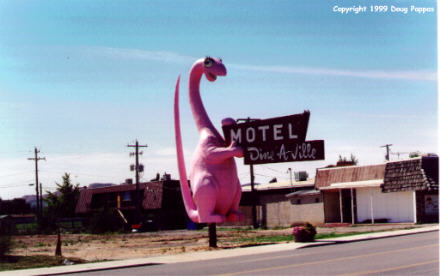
x: 152, y: 198
x: 301, y: 193
x: 327, y: 176
x: 413, y: 174
x: 281, y: 185
x: 354, y: 184
x: 404, y: 175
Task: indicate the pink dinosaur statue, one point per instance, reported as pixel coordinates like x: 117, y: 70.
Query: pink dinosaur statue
x: 214, y: 182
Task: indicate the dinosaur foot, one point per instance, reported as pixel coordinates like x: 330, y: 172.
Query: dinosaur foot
x: 213, y: 218
x: 235, y: 216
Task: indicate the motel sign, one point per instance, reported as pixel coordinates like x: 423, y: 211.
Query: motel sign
x: 275, y: 140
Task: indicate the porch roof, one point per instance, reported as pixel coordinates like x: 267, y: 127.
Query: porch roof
x: 354, y: 184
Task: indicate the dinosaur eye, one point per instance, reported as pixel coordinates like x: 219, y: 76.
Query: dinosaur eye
x: 208, y: 62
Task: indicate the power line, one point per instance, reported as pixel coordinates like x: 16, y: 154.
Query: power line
x: 263, y: 175
x: 11, y: 174
x: 73, y: 173
x: 14, y: 186
x: 269, y: 168
x: 243, y: 173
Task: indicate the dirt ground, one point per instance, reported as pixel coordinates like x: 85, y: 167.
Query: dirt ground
x: 137, y: 245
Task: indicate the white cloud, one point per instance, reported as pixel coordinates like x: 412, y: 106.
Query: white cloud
x: 370, y: 74
x: 138, y: 54
x: 166, y: 56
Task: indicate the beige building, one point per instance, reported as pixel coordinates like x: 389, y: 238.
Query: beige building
x: 277, y: 204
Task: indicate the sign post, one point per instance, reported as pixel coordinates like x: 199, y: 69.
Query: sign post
x: 212, y: 230
x: 253, y: 191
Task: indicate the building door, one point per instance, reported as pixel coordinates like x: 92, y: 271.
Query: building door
x: 346, y: 206
x: 331, y: 206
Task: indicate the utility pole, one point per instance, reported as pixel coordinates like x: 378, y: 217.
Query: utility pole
x: 36, y: 159
x: 254, y: 197
x: 253, y: 191
x: 41, y: 200
x: 289, y: 170
x: 387, y: 156
x: 137, y: 169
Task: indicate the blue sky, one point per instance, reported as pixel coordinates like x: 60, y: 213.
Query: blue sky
x: 82, y: 79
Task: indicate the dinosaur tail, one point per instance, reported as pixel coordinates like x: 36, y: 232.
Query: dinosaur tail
x: 184, y: 187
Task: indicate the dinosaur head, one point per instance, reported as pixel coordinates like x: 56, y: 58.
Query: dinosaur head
x: 213, y: 67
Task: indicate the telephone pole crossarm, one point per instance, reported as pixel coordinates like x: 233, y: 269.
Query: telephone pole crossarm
x: 387, y: 156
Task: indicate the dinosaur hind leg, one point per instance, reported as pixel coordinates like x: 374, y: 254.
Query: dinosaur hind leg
x: 234, y: 214
x: 205, y: 198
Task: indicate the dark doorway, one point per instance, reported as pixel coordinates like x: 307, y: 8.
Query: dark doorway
x: 346, y: 206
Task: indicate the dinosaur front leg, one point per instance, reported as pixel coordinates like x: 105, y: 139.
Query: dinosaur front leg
x: 216, y: 154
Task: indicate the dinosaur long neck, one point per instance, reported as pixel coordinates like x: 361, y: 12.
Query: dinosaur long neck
x: 199, y: 113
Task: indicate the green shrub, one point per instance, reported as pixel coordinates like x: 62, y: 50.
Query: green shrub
x: 5, y: 245
x: 6, y: 228
x: 105, y: 220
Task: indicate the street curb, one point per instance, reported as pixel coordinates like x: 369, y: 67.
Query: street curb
x: 377, y: 235
x: 211, y: 255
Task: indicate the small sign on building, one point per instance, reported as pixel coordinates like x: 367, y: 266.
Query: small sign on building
x: 431, y: 204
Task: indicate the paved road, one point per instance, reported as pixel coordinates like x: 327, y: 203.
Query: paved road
x: 416, y: 254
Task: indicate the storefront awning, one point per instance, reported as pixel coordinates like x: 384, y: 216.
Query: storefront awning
x: 354, y: 184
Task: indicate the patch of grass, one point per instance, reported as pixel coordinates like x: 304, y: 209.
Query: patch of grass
x: 68, y: 242
x: 40, y: 244
x: 278, y: 228
x: 337, y: 235
x: 265, y: 239
x: 238, y: 229
x: 20, y: 244
x: 26, y: 228
x: 289, y: 238
x: 24, y: 262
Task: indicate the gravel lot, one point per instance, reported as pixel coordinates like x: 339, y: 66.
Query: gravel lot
x: 125, y: 246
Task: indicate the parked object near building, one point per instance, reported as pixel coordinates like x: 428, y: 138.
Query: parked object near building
x: 399, y: 191
x: 161, y: 202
